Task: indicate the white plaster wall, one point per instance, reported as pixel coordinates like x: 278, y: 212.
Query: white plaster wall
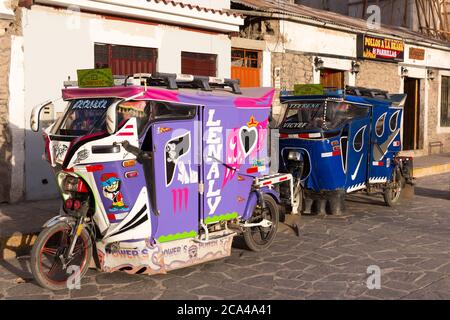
x: 300, y: 37
x: 5, y: 9
x: 437, y: 58
x: 266, y: 70
x: 433, y: 57
x: 175, y: 41
x: 58, y: 43
x: 214, y: 4
x: 415, y: 62
x: 17, y: 117
x: 305, y: 38
x: 414, y: 72
x: 156, y: 11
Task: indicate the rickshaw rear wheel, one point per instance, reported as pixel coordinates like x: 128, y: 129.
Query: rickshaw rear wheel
x: 392, y: 193
x: 50, y: 244
x: 260, y: 238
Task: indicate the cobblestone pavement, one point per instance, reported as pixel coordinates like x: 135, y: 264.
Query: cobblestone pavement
x: 410, y: 243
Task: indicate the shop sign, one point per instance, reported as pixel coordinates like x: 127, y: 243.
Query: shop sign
x: 380, y: 48
x: 416, y: 53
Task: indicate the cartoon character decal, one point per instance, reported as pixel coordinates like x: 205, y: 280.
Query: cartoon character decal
x: 193, y: 252
x: 60, y: 151
x: 111, y: 190
x: 175, y: 149
x: 81, y: 156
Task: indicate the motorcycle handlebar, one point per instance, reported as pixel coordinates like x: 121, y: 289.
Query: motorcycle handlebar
x: 131, y: 149
x: 138, y: 153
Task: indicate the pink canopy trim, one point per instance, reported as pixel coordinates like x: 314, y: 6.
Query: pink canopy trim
x: 258, y: 98
x: 264, y: 102
x: 117, y: 92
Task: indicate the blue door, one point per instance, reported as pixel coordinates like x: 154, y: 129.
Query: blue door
x: 355, y: 164
x: 385, y: 143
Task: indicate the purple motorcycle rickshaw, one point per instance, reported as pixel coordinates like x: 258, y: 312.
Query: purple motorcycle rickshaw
x: 156, y: 173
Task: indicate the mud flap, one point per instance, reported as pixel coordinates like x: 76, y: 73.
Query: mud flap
x: 407, y: 192
x: 291, y: 224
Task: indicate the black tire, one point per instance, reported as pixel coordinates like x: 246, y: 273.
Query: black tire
x: 259, y: 238
x: 392, y: 194
x: 50, y: 243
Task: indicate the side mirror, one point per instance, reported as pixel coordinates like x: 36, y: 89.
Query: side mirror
x: 36, y: 114
x: 111, y: 119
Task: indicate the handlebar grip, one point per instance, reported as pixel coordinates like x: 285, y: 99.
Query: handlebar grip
x: 131, y: 149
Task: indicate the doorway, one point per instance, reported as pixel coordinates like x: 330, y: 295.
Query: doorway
x: 411, y: 114
x: 246, y: 66
x: 331, y: 78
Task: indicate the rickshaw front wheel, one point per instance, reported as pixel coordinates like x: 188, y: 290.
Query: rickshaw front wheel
x: 393, y: 192
x: 47, y: 265
x: 260, y: 238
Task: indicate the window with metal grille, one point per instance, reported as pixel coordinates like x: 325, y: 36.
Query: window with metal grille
x: 125, y: 60
x: 199, y: 64
x: 445, y: 102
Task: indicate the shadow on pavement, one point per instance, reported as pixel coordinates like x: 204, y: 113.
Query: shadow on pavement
x: 432, y: 193
x: 365, y: 199
x: 22, y: 271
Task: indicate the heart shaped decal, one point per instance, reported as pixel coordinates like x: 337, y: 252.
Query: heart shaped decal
x: 248, y: 137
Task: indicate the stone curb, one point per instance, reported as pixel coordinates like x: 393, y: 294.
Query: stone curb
x: 428, y: 171
x: 20, y: 244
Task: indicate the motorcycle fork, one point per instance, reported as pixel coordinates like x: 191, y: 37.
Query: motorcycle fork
x: 76, y: 232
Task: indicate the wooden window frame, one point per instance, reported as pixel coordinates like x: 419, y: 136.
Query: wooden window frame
x: 211, y: 72
x: 445, y: 102
x: 245, y: 58
x: 132, y: 52
x: 324, y: 73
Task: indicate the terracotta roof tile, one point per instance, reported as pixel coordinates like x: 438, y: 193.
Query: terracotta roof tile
x: 198, y: 8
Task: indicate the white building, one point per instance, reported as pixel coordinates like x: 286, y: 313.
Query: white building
x: 60, y: 36
x: 300, y: 44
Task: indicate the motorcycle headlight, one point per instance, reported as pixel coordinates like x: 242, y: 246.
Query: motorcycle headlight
x: 70, y: 183
x: 294, y: 156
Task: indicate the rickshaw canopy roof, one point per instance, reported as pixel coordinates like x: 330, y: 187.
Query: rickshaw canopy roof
x: 250, y: 98
x: 376, y: 100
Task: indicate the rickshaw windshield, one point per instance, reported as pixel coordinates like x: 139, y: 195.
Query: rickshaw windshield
x: 320, y: 115
x: 87, y: 116
x: 84, y: 116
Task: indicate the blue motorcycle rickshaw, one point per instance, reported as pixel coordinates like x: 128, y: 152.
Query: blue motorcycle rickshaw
x: 343, y: 141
